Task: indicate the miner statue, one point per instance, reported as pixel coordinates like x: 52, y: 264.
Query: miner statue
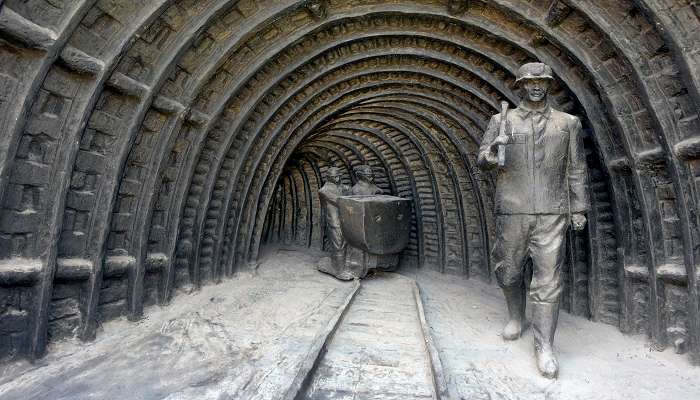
x: 365, y: 182
x: 537, y: 156
x: 329, y: 194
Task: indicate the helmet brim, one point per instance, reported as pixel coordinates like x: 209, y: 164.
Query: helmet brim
x: 528, y: 78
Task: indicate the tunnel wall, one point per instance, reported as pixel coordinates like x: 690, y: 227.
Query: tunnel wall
x: 149, y: 148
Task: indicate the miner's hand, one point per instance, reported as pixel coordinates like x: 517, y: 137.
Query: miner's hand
x: 488, y: 160
x: 578, y: 221
x: 499, y: 141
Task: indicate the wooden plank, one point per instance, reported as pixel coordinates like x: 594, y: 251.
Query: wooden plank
x: 318, y: 349
x: 309, y: 204
x: 623, y: 211
x: 440, y: 388
x: 656, y: 287
x: 38, y: 335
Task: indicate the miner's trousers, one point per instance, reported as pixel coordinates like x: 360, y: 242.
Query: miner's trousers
x: 539, y: 236
x: 335, y: 235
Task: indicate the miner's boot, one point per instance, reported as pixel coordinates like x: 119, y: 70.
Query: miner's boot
x: 515, y: 300
x: 342, y: 270
x: 544, y: 323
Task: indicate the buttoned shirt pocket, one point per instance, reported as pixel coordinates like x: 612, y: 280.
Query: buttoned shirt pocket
x: 518, y: 138
x: 516, y: 151
x: 551, y: 155
x: 552, y: 150
x: 555, y: 140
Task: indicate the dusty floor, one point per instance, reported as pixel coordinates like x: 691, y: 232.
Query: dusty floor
x: 596, y: 361
x: 246, y: 338
x: 240, y: 339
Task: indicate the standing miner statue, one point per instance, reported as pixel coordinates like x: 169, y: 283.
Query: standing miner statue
x: 329, y: 193
x: 541, y: 186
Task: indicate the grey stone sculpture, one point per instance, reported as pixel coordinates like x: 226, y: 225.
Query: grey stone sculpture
x: 149, y: 149
x: 318, y: 9
x: 359, y: 259
x: 329, y: 193
x: 377, y: 229
x: 366, y: 230
x: 541, y: 187
x: 365, y: 182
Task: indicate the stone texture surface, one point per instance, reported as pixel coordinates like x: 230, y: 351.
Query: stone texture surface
x: 246, y: 339
x: 197, y: 130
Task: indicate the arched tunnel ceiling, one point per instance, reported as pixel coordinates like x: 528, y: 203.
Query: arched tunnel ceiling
x: 153, y: 146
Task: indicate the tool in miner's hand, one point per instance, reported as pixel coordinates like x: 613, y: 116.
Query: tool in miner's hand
x: 501, y: 133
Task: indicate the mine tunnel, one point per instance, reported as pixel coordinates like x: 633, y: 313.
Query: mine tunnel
x: 155, y: 153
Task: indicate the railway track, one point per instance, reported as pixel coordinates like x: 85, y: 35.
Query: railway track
x: 377, y: 346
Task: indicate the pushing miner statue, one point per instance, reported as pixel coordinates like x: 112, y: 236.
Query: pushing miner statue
x: 365, y: 182
x: 366, y: 229
x: 540, y: 173
x: 329, y: 194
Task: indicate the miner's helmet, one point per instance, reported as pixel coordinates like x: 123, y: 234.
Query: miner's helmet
x: 535, y: 70
x: 363, y: 170
x: 333, y: 171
